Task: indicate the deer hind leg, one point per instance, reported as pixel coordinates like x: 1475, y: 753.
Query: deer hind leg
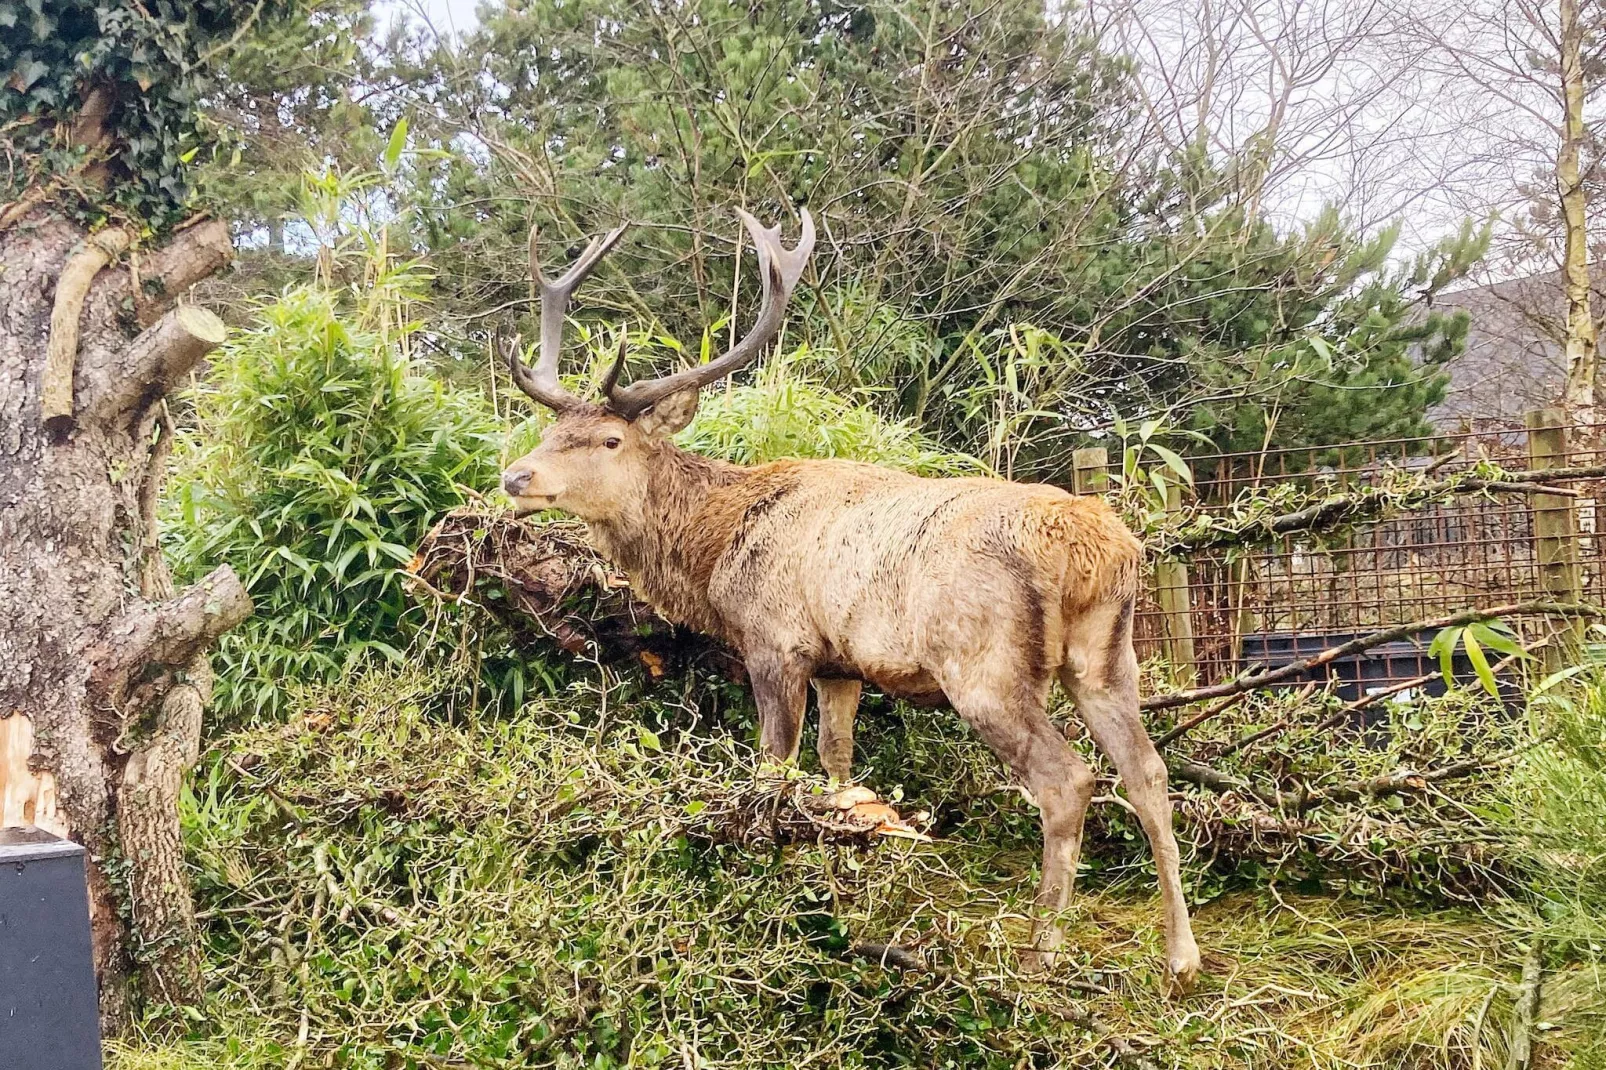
x: 1012, y: 720
x: 839, y: 702
x: 1101, y: 676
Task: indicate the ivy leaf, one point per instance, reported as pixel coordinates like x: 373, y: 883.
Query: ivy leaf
x: 26, y: 74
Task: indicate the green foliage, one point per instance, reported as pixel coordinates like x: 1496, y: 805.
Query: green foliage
x: 1557, y: 814
x: 319, y: 459
x: 1474, y: 638
x: 1003, y: 267
x: 150, y: 59
x: 296, y: 94
x: 382, y: 886
x: 783, y: 413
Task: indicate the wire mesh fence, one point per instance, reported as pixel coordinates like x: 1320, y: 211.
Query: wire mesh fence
x: 1303, y: 592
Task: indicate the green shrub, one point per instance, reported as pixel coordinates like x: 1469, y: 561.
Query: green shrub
x: 784, y: 411
x: 319, y: 459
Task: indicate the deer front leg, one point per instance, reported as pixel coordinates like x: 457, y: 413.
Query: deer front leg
x: 839, y: 702
x: 780, y: 688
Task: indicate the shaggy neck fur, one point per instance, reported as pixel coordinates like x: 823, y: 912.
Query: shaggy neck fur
x: 664, y: 541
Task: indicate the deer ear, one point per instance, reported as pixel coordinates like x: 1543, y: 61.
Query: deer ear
x: 669, y: 415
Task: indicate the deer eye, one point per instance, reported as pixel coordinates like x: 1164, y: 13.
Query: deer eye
x: 612, y: 443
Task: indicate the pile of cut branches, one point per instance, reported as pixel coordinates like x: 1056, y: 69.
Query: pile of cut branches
x: 542, y: 581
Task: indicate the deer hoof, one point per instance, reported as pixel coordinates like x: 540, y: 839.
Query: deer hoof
x: 1182, y: 973
x: 1044, y: 952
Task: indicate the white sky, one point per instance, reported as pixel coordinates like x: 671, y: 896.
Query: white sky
x: 447, y: 16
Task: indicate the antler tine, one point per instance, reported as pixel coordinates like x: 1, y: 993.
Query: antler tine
x: 541, y: 383
x: 611, y: 379
x: 780, y: 268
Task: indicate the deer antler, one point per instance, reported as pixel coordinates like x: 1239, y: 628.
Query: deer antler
x: 780, y: 269
x: 541, y: 383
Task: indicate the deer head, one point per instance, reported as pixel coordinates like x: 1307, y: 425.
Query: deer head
x: 593, y: 461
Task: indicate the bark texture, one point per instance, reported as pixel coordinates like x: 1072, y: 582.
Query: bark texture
x: 103, y: 673
x: 1582, y: 358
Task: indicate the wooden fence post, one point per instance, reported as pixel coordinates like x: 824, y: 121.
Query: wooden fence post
x: 1090, y: 470
x: 1176, y: 606
x: 1555, y: 534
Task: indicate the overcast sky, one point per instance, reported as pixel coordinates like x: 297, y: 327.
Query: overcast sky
x: 445, y: 15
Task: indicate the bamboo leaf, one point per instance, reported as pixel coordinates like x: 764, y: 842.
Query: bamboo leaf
x: 398, y: 142
x: 1480, y: 662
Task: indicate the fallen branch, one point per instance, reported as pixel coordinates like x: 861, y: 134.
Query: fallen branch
x: 1206, y: 777
x: 1201, y: 530
x: 1292, y: 670
x: 545, y: 581
x: 888, y: 955
x: 782, y: 811
x: 1400, y: 782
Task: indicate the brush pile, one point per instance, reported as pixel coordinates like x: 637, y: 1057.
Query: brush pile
x: 544, y: 583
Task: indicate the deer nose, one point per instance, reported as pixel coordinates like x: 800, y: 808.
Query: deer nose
x: 515, y: 480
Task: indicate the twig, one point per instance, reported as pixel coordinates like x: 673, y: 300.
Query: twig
x: 1255, y: 737
x: 1477, y: 1024
x: 1199, y: 719
x: 1520, y: 1051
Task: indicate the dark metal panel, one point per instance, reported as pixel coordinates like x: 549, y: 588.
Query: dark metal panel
x: 49, y: 1015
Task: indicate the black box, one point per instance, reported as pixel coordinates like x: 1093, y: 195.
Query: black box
x: 49, y: 1012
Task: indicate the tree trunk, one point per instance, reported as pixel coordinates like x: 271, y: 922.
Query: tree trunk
x: 103, y: 668
x: 1579, y: 400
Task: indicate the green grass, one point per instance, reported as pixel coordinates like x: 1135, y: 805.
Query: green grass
x: 382, y: 885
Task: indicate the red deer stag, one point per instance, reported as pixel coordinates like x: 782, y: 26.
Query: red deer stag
x: 976, y: 592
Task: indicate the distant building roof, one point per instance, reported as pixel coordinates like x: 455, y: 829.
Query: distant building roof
x: 1513, y: 361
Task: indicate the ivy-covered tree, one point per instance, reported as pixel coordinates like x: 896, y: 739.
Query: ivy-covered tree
x: 103, y: 667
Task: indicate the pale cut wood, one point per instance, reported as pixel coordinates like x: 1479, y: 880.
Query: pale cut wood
x: 26, y: 797
x: 61, y: 353
x: 160, y: 357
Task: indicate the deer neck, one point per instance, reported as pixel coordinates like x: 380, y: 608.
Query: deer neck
x: 662, y: 541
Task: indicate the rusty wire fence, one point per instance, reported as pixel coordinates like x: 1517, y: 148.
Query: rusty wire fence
x: 1218, y: 612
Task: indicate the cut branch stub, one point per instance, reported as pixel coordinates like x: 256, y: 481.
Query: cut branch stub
x: 171, y: 632
x: 161, y: 356
x: 194, y: 254
x: 61, y: 354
